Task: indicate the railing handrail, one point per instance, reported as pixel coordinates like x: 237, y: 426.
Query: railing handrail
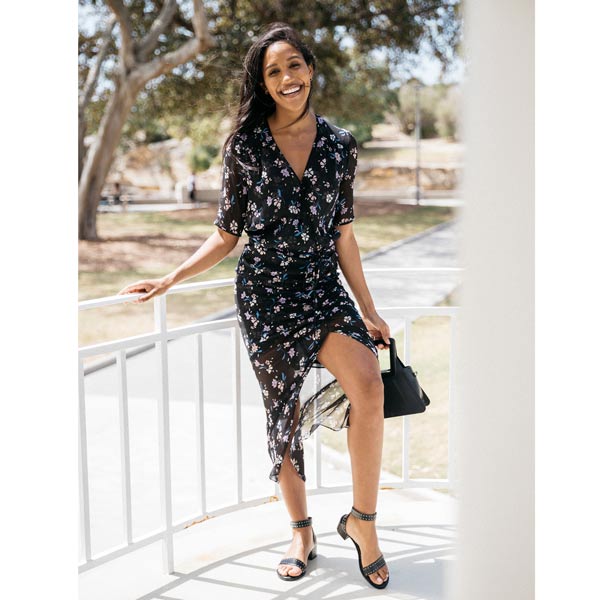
x: 214, y: 283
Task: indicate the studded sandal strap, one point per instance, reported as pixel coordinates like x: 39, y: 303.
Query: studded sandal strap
x: 374, y: 566
x: 302, y: 523
x: 290, y: 560
x: 362, y: 515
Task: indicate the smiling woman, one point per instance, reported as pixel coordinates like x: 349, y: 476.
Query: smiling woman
x: 288, y: 176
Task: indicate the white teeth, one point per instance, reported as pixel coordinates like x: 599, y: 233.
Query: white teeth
x: 291, y: 90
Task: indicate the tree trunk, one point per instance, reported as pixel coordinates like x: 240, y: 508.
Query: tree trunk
x: 81, y: 146
x: 134, y: 73
x: 100, y: 155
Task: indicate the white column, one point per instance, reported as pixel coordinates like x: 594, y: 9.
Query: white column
x: 495, y: 421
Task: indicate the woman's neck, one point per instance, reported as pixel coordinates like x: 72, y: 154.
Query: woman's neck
x: 280, y: 118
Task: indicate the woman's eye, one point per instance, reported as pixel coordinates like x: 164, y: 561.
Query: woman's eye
x: 275, y: 71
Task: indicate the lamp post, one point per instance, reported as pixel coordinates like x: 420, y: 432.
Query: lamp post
x: 417, y: 141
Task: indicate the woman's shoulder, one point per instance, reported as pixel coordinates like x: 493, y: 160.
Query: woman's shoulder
x: 242, y: 145
x: 338, y: 134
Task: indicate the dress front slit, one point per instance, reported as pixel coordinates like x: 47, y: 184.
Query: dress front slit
x: 288, y: 292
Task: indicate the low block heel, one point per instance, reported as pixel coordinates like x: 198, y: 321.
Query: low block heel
x: 342, y: 529
x: 313, y: 552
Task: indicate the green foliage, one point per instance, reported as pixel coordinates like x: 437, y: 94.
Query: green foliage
x: 202, y: 157
x: 439, y: 106
x: 447, y: 114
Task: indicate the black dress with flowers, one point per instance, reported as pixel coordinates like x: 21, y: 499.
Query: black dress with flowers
x: 287, y: 288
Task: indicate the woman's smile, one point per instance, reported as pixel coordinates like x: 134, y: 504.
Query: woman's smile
x: 292, y: 91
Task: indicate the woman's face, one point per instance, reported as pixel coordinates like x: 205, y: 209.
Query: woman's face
x: 286, y: 76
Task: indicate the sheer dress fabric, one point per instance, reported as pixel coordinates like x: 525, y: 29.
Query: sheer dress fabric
x: 287, y: 289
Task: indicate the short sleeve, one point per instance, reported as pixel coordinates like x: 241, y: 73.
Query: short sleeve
x: 345, y: 207
x: 231, y: 212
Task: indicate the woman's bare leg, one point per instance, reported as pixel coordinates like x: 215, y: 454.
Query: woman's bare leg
x: 293, y: 490
x: 358, y: 372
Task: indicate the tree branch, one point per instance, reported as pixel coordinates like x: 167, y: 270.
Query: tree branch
x: 127, y: 47
x: 158, y: 27
x: 90, y: 83
x: 202, y: 41
x: 200, y: 24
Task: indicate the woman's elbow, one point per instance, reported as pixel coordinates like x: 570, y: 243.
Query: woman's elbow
x: 229, y: 240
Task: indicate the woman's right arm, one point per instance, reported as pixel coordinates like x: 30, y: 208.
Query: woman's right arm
x: 230, y: 220
x: 210, y: 253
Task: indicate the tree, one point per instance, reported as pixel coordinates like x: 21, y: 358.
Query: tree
x: 140, y: 60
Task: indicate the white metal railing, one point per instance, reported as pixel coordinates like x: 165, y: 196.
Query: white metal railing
x: 160, y: 338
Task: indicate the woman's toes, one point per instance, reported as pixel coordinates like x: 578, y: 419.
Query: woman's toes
x: 285, y: 570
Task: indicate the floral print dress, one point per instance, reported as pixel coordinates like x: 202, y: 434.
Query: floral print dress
x: 287, y: 289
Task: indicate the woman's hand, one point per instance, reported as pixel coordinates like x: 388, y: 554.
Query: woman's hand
x: 152, y: 287
x: 377, y: 328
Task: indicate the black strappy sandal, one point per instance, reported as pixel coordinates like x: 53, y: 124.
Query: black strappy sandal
x: 376, y: 564
x: 290, y: 560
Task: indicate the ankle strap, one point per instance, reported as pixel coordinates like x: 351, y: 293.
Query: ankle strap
x: 362, y: 515
x: 302, y: 523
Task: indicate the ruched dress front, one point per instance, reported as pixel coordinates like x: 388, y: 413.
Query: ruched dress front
x: 288, y: 292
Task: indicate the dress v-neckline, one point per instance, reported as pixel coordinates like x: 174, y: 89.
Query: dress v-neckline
x: 278, y: 149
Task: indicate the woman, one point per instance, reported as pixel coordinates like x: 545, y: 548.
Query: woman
x: 288, y: 178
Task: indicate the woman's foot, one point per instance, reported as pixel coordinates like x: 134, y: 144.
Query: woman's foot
x: 365, y: 535
x: 302, y: 544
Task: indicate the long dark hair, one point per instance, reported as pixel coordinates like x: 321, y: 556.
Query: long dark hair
x: 255, y: 104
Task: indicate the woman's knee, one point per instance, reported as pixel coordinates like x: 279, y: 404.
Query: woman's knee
x: 368, y: 390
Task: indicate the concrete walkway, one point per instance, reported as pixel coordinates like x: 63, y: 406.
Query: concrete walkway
x: 437, y: 247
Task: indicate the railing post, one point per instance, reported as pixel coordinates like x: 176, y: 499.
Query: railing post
x: 125, y: 452
x: 164, y: 436
x: 317, y: 434
x: 237, y: 412
x: 200, y: 429
x: 405, y: 418
x: 84, y: 485
x: 452, y: 472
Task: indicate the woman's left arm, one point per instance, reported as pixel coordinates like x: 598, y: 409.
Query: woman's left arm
x: 351, y: 266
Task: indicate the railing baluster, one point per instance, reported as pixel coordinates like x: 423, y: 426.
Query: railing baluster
x: 406, y: 418
x: 84, y: 484
x: 200, y: 429
x: 164, y: 433
x: 125, y: 447
x: 237, y: 411
x: 317, y: 435
x: 452, y: 474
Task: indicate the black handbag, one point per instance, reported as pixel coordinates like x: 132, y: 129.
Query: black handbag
x: 402, y: 393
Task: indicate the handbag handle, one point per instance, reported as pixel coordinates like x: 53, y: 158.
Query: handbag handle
x: 392, y: 350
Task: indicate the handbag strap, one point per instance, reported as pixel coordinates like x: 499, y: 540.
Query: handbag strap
x: 392, y: 350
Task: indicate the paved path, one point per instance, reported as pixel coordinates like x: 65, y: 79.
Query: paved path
x: 436, y: 247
